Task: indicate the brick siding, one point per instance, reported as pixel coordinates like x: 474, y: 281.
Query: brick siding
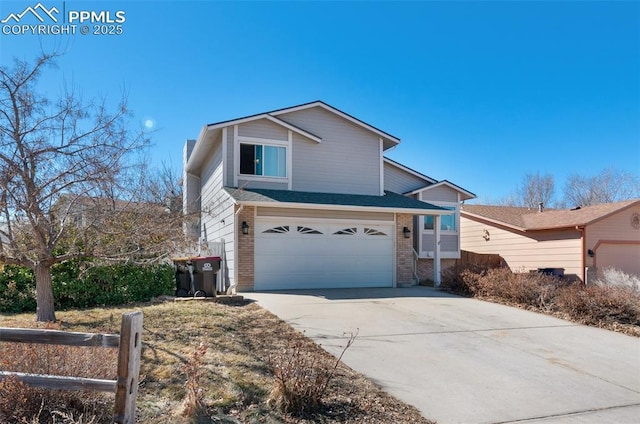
x: 245, y: 248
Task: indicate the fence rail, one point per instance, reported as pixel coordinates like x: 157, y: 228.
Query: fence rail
x: 129, y: 344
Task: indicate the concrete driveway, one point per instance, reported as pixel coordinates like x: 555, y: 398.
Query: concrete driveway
x: 462, y: 360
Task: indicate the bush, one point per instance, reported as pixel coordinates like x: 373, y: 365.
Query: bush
x: 462, y: 279
x: 301, y: 378
x: 17, y: 289
x: 194, y: 371
x: 600, y: 305
x: 109, y: 285
x: 614, y: 300
x: 81, y: 284
x: 612, y: 277
x: 532, y: 289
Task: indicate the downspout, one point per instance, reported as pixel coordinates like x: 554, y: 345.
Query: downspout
x: 583, y: 253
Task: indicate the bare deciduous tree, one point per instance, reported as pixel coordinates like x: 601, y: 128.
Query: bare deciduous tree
x: 610, y: 185
x: 68, y: 181
x: 533, y: 190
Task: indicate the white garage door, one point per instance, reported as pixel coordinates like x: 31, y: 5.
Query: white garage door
x: 291, y: 254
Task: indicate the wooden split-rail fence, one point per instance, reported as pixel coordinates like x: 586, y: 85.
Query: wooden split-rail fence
x: 129, y: 344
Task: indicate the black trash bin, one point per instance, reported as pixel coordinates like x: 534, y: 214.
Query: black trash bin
x: 553, y: 272
x: 196, y: 276
x: 205, y: 275
x: 183, y: 278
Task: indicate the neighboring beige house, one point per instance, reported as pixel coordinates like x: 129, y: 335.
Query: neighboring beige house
x: 303, y: 197
x: 575, y: 240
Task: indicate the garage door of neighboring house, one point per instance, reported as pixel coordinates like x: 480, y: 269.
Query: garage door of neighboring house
x: 620, y: 256
x: 305, y: 254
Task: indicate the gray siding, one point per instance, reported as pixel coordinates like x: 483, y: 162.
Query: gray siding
x: 346, y: 161
x: 263, y: 184
x: 217, y: 213
x: 448, y: 245
x: 263, y: 128
x: 401, y: 181
x: 440, y: 194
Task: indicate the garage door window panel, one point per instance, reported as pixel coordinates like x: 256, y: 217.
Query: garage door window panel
x: 373, y: 232
x: 346, y: 232
x: 307, y: 230
x: 277, y: 230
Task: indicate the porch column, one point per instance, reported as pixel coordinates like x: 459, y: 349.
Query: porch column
x: 436, y: 251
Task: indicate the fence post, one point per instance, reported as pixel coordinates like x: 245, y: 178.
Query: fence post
x: 128, y: 368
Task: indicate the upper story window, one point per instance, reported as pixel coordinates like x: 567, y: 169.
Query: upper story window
x: 263, y: 160
x: 447, y: 222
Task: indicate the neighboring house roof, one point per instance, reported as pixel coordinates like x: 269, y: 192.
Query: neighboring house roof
x: 526, y: 219
x: 390, y: 202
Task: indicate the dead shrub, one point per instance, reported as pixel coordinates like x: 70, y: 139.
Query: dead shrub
x: 533, y: 289
x: 462, y: 279
x: 21, y: 403
x: 609, y: 303
x: 612, y: 277
x: 193, y: 402
x: 598, y: 305
x: 302, y: 378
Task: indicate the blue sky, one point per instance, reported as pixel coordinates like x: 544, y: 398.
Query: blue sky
x: 480, y: 93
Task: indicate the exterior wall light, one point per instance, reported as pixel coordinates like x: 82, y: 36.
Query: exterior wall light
x: 407, y: 232
x: 245, y: 227
x: 590, y: 253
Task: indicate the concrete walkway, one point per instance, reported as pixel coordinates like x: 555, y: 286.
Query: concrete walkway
x: 466, y: 361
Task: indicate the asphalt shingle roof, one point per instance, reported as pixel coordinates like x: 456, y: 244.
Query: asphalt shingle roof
x: 392, y: 201
x: 532, y: 219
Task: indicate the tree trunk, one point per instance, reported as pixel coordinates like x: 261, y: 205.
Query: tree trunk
x: 44, y: 293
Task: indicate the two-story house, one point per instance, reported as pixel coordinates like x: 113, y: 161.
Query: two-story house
x: 303, y: 197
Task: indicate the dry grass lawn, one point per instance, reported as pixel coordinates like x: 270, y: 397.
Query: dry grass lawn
x: 235, y: 378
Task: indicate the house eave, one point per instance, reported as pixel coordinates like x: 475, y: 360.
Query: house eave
x: 197, y: 155
x: 468, y: 195
x: 409, y: 170
x: 296, y: 205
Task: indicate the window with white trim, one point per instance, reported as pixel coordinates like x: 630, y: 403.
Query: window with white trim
x: 447, y: 222
x: 263, y: 160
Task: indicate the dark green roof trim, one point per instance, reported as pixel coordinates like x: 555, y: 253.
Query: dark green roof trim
x: 393, y: 201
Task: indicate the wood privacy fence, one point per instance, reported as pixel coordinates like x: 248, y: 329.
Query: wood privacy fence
x: 485, y: 259
x: 129, y: 344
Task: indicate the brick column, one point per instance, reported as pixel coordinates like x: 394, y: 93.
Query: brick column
x: 245, y: 246
x: 404, y: 251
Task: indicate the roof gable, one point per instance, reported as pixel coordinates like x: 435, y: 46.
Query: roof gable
x: 389, y: 139
x: 466, y: 195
